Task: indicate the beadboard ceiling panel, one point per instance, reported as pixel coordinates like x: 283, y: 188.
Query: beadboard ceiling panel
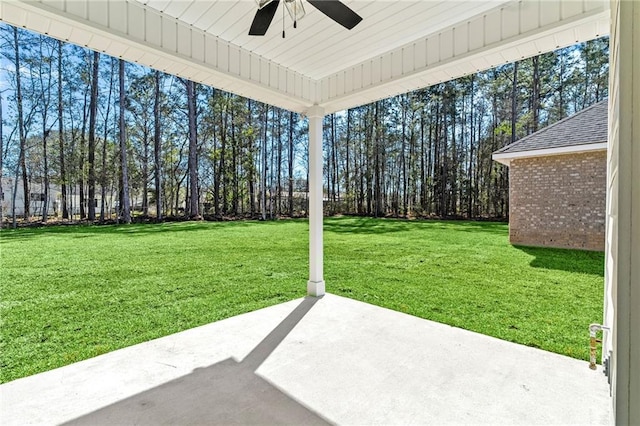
x: 400, y: 45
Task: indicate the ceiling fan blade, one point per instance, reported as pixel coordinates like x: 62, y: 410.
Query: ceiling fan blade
x: 263, y: 19
x: 337, y: 11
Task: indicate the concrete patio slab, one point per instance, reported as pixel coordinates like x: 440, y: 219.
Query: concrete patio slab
x: 315, y: 361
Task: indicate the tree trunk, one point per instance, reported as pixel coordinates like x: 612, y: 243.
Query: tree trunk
x: 263, y: 189
x: 93, y: 111
x: 347, y: 185
x: 271, y: 164
x: 222, y: 167
x: 377, y: 162
x: 157, y: 146
x: 514, y: 102
x: 83, y: 201
x: 125, y: 205
x: 535, y: 94
x: 335, y: 184
x: 103, y: 170
x: 145, y: 171
x: 251, y: 163
x: 63, y: 172
x: 234, y: 162
x: 423, y: 164
x: 470, y: 198
x: 403, y: 160
x: 279, y: 167
x: 21, y: 132
x: 291, y: 116
x: 193, y: 152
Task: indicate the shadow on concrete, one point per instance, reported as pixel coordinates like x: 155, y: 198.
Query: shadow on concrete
x: 228, y: 392
x: 580, y: 261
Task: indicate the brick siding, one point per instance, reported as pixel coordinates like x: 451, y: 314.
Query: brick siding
x: 558, y: 201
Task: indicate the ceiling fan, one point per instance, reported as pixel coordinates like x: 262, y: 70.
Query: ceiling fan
x: 334, y: 9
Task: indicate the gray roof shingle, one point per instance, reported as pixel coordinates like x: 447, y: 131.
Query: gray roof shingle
x: 585, y: 127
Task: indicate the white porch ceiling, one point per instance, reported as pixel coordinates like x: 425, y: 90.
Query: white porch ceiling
x: 399, y: 46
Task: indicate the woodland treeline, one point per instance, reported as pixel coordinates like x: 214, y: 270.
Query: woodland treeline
x: 142, y: 143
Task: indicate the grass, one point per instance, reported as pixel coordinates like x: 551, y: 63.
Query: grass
x: 69, y: 293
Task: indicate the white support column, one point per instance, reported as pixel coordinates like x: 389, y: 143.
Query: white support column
x: 315, y: 285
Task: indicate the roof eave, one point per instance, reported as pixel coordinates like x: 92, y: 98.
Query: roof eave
x: 506, y: 157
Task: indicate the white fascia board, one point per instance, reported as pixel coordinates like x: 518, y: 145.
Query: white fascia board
x: 506, y: 157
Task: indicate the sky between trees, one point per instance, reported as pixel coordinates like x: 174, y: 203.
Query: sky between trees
x: 425, y: 153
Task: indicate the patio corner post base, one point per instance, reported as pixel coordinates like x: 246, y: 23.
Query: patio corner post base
x: 315, y: 288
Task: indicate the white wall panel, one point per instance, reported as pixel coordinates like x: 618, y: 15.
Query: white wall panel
x: 333, y: 89
x: 135, y: 21
x: 197, y: 46
x: 99, y: 12
x: 340, y: 83
x: 300, y: 89
x: 77, y: 8
x: 408, y: 55
x: 375, y: 72
x: 510, y: 21
x: 255, y: 68
x: 211, y: 51
x: 274, y: 78
x: 385, y: 67
x: 245, y: 66
x: 184, y: 40
x: 492, y: 28
x: 56, y: 4
x: 169, y: 34
x: 118, y: 16
x: 420, y: 54
x: 234, y: 59
x: 433, y: 50
x: 282, y: 80
x: 176, y: 7
x: 446, y: 45
x: 476, y: 27
x: 223, y: 57
x: 264, y: 72
x: 461, y: 40
x: 529, y: 16
x: 570, y: 8
x: 324, y: 88
x: 348, y: 80
x: 549, y: 12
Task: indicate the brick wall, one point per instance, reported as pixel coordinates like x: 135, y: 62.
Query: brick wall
x: 558, y: 201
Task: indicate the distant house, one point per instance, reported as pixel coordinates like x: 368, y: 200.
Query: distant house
x: 36, y: 198
x: 557, y: 182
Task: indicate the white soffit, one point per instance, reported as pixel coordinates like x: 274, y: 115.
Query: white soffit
x: 507, y: 157
x: 400, y: 45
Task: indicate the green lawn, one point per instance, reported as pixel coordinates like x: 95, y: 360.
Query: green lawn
x: 69, y: 293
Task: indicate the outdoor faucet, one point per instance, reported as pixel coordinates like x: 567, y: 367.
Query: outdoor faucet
x: 593, y: 329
